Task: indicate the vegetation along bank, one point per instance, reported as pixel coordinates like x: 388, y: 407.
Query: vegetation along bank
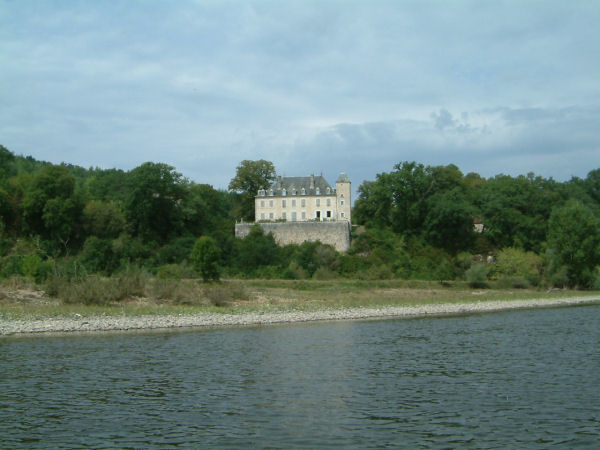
x: 104, y: 237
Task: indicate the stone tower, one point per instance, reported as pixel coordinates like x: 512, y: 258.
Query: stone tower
x: 343, y: 191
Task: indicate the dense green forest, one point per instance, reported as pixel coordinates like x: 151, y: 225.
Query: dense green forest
x: 414, y: 222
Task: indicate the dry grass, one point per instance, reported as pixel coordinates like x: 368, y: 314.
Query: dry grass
x: 20, y: 298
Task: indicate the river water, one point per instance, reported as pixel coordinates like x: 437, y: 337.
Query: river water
x: 522, y: 379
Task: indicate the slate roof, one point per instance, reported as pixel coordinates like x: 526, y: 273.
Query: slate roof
x: 297, y: 183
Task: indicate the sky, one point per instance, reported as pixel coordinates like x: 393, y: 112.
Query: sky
x: 319, y: 87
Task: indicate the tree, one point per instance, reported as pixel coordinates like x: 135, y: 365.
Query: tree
x: 374, y: 204
x: 51, y: 207
x: 109, y: 184
x: 449, y: 221
x: 6, y: 162
x: 515, y: 210
x: 250, y: 176
x: 592, y: 183
x: 152, y: 207
x: 206, y: 210
x: 522, y: 267
x: 103, y: 219
x: 61, y: 219
x: 205, y: 258
x: 574, y: 242
x: 256, y: 250
x: 418, y: 200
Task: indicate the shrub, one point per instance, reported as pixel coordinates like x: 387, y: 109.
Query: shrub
x: 514, y: 282
x: 596, y: 285
x: 350, y: 264
x: 45, y: 270
x: 132, y: 282
x: 574, y: 238
x: 95, y: 289
x: 324, y: 273
x: 97, y: 255
x: 477, y: 276
x: 380, y: 272
x: 295, y: 272
x: 223, y: 294
x: 174, y: 271
x: 559, y: 277
x: 205, y: 258
x: 517, y: 263
x: 11, y: 265
x: 89, y: 290
x: 176, y: 251
x: 164, y: 288
x: 268, y: 272
x: 30, y: 265
x: 464, y: 261
x: 255, y: 250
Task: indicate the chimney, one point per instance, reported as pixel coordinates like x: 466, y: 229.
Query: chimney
x: 279, y: 182
x: 312, y: 181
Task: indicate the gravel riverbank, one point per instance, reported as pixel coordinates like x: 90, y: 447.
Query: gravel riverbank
x: 111, y: 323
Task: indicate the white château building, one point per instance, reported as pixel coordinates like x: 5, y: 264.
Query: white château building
x: 304, y: 199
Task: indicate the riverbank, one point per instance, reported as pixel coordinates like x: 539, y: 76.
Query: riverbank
x: 79, y: 323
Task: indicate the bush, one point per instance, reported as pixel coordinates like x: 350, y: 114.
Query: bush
x: 205, y: 258
x: 349, y: 265
x: 164, y: 288
x: 92, y: 290
x: 514, y: 282
x: 11, y: 265
x: 132, y: 281
x: 516, y: 263
x: 223, y: 294
x: 95, y: 289
x: 464, y: 261
x: 255, y: 250
x: 596, y: 285
x: 268, y: 272
x: 30, y: 265
x: 477, y: 276
x: 175, y: 252
x: 559, y: 277
x: 174, y: 271
x: 324, y: 273
x: 97, y: 255
x: 295, y: 272
x: 380, y: 272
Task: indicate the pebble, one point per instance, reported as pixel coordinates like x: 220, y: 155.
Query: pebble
x: 110, y: 323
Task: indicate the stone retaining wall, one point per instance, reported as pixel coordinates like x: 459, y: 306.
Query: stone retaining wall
x: 336, y: 234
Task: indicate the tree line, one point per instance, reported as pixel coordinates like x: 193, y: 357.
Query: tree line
x: 553, y: 225
x: 416, y: 222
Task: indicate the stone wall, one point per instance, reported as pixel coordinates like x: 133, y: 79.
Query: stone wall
x: 336, y: 234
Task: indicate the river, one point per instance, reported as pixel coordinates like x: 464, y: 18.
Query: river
x: 519, y: 379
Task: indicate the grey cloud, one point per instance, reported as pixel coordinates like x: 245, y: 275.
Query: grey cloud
x: 202, y: 85
x: 443, y: 119
x: 561, y: 145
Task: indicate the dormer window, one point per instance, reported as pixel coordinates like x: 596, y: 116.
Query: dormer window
x: 329, y: 190
x: 270, y: 192
x: 261, y: 192
x: 303, y: 191
x: 293, y: 191
x: 283, y: 192
x: 318, y: 191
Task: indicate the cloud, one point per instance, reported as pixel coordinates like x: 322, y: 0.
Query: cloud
x: 560, y: 143
x: 443, y: 119
x: 311, y: 85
